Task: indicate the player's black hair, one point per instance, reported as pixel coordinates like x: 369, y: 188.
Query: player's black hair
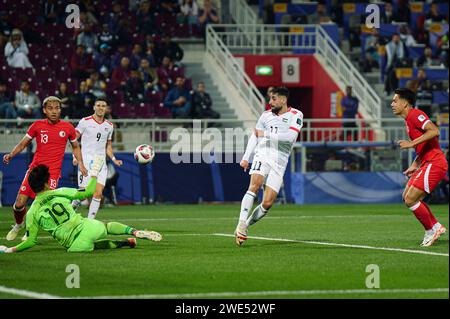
x: 101, y: 99
x: 38, y: 177
x: 406, y: 94
x: 281, y: 91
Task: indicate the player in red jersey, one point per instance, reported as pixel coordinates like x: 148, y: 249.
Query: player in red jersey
x: 51, y: 136
x: 429, y: 167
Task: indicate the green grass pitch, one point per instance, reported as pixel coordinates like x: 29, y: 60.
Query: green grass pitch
x: 298, y: 254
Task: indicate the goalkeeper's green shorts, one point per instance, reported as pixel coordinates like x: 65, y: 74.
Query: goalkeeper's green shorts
x: 92, y: 230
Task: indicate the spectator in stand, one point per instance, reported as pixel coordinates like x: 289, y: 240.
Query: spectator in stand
x: 89, y: 7
x: 114, y: 17
x: 434, y: 16
x: 27, y: 102
x: 134, y: 88
x: 88, y: 39
x: 387, y: 16
x: 121, y: 74
x: 207, y: 15
x: 320, y: 15
x: 149, y: 76
x: 267, y: 97
x: 422, y: 87
x: 406, y: 36
x: 421, y: 82
x: 150, y: 56
x: 189, y: 14
x: 170, y: 49
x: 371, y: 56
x: 83, y: 101
x: 103, y: 58
x: 395, y: 52
x: 118, y: 56
x: 106, y: 37
x: 136, y: 56
x: 105, y: 74
x: 81, y: 63
x: 349, y: 106
x: 201, y: 104
x: 7, y: 108
x: 66, y: 105
x: 169, y: 6
x: 178, y: 100
x: 51, y: 12
x: 427, y: 59
x: 403, y: 13
x: 16, y: 51
x: 144, y: 17
x: 5, y: 28
x: 165, y: 73
x: 124, y: 33
x: 95, y: 85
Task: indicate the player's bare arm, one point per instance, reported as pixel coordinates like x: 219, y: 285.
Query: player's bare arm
x: 76, y: 149
x: 110, y: 153
x: 26, y: 140
x: 431, y: 131
x: 74, y: 160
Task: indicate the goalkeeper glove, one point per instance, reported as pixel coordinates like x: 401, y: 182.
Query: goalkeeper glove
x: 5, y: 250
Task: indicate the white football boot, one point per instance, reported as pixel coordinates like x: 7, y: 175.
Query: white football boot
x: 14, y: 232
x: 150, y: 235
x: 241, y: 233
x: 432, y: 235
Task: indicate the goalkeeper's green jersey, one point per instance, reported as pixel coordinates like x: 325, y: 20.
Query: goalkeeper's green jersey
x: 52, y: 211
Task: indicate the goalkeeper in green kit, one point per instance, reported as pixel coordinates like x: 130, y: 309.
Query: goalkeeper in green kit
x: 52, y: 211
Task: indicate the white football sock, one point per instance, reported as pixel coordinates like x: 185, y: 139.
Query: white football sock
x: 258, y: 213
x: 246, y: 205
x: 93, y: 208
x: 76, y: 203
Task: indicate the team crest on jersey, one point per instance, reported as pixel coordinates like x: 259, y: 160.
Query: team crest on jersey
x: 62, y: 133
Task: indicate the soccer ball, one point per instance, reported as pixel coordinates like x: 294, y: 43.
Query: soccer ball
x: 144, y: 154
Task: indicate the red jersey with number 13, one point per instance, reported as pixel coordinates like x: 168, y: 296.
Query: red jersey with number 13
x: 51, y: 141
x: 415, y: 126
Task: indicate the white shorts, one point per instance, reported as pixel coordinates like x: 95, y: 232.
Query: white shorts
x: 84, y: 180
x: 272, y: 172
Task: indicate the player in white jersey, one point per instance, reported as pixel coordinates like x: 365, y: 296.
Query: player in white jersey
x: 272, y: 142
x: 96, y: 139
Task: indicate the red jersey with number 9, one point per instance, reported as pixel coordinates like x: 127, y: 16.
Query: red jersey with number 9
x: 51, y: 141
x: 415, y: 126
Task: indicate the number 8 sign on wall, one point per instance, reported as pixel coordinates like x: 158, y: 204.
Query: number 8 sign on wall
x: 290, y: 70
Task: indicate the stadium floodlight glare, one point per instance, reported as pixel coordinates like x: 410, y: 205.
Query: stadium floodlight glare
x: 264, y: 70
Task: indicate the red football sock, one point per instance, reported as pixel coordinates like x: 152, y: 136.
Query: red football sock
x: 19, y: 214
x: 422, y: 214
x: 433, y: 219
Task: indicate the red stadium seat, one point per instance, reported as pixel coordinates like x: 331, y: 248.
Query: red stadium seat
x: 144, y: 110
x: 124, y: 110
x: 162, y: 112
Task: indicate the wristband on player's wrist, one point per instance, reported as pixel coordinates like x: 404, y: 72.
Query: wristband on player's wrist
x: 113, y: 158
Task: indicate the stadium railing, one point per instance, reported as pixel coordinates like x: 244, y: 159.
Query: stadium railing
x: 234, y: 71
x: 229, y: 135
x: 243, y: 15
x: 312, y: 39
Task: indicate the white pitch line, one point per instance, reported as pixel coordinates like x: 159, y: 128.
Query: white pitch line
x: 411, y: 251
x: 342, y: 245
x: 27, y: 293
x: 271, y: 293
x: 234, y: 218
x: 37, y: 295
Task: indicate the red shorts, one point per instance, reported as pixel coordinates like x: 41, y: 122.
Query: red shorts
x: 429, y: 175
x: 26, y: 190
